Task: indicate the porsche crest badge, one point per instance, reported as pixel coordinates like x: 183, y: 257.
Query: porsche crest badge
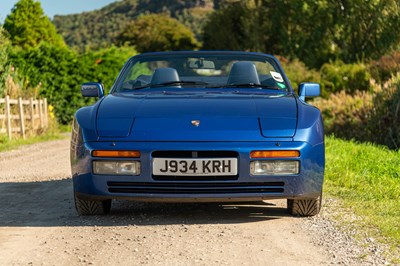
x: 196, y: 123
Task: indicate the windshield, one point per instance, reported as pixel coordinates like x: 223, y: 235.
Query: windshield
x: 190, y: 71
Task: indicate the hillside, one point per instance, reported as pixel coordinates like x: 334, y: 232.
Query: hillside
x: 97, y: 28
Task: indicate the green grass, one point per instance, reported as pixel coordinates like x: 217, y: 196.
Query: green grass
x: 6, y: 145
x: 366, y: 178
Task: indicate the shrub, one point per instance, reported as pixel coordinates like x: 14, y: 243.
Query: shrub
x: 385, y: 119
x: 338, y: 76
x: 58, y: 71
x: 365, y: 116
x: 105, y: 64
x: 346, y: 115
x: 61, y: 71
x: 385, y: 67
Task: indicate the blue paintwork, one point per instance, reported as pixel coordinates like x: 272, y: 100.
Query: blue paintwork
x: 229, y: 122
x: 224, y: 118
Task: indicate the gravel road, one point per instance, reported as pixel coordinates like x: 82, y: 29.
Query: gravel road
x: 39, y: 226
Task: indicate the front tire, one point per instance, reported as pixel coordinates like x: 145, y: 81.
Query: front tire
x: 304, y: 207
x: 92, y: 207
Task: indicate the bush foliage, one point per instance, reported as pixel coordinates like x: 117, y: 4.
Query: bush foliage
x: 346, y: 115
x: 338, y: 76
x: 385, y: 119
x: 364, y: 116
x: 60, y: 72
x: 387, y: 66
x: 105, y: 64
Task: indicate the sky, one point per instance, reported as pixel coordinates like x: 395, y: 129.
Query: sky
x: 57, y: 7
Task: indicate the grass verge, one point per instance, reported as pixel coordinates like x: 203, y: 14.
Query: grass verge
x: 52, y: 134
x: 366, y: 178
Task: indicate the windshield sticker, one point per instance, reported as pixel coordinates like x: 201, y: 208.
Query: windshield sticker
x: 281, y: 85
x: 277, y: 76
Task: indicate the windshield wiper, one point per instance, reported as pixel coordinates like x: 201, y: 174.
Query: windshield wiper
x: 171, y: 83
x: 251, y: 85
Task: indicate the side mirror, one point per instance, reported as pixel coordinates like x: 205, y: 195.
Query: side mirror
x: 92, y: 89
x: 309, y: 89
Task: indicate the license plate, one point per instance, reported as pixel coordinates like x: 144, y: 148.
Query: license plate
x: 193, y: 167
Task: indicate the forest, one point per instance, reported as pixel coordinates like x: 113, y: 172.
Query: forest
x: 352, y: 48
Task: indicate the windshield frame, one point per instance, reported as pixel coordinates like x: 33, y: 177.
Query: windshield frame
x: 159, y: 56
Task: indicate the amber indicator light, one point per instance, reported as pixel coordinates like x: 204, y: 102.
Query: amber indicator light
x: 116, y: 154
x: 274, y: 154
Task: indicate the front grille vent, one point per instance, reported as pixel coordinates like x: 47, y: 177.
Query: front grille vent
x: 196, y: 188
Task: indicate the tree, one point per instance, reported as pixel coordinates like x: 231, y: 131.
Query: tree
x: 229, y: 28
x: 238, y: 25
x: 300, y: 29
x: 295, y: 29
x: 313, y: 31
x: 365, y: 29
x: 153, y: 32
x: 28, y: 25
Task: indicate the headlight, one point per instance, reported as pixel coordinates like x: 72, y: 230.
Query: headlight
x: 274, y: 167
x: 116, y: 168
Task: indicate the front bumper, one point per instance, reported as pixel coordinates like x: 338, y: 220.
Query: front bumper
x: 243, y: 187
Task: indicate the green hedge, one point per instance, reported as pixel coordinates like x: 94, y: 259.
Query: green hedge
x: 338, y: 76
x: 61, y: 71
x: 364, y: 116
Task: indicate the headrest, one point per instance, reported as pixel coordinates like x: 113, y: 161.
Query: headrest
x: 163, y: 75
x: 243, y: 73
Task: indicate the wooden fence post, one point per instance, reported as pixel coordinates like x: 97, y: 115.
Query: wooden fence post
x: 40, y: 102
x: 46, y: 118
x: 32, y: 111
x: 8, y: 116
x: 21, y: 117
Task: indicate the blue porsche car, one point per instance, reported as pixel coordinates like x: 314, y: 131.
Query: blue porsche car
x: 199, y: 126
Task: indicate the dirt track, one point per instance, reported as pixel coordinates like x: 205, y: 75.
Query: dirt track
x: 39, y: 225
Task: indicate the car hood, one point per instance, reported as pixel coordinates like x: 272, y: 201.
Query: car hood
x: 174, y: 117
